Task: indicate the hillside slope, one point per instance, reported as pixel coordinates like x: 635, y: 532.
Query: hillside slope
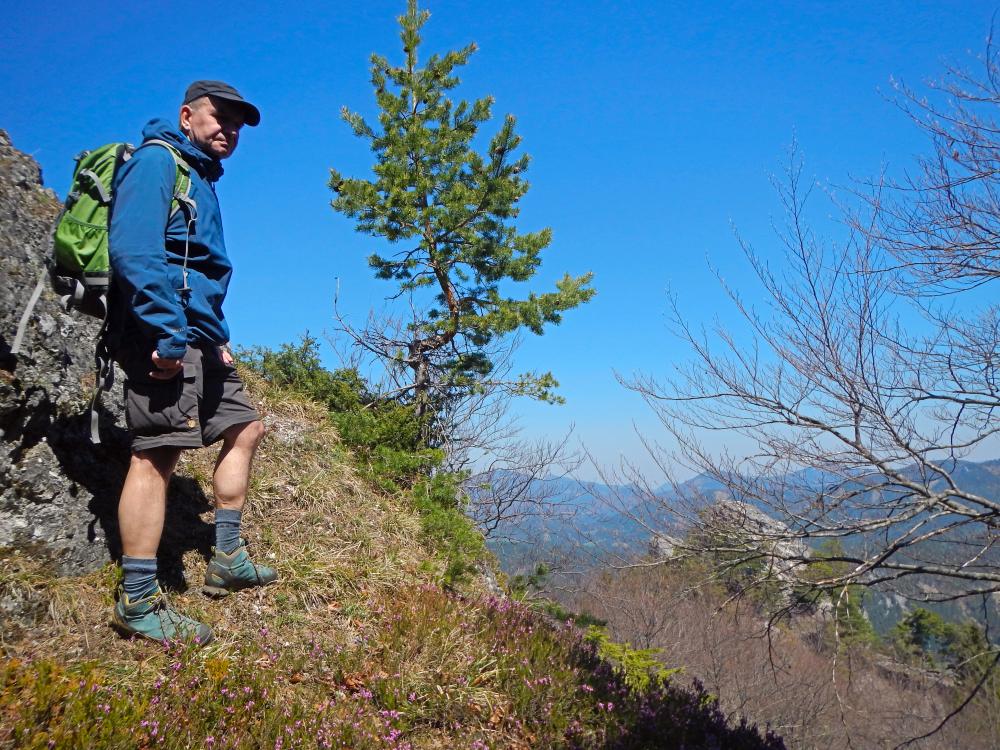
x: 359, y: 645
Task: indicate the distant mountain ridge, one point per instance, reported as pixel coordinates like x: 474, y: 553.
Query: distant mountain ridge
x: 598, y: 528
x: 596, y: 498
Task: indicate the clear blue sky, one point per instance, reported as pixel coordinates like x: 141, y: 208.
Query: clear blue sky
x: 652, y: 126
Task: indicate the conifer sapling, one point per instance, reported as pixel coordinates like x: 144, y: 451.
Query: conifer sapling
x: 448, y: 211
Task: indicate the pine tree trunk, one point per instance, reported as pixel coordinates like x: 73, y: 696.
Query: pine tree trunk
x: 422, y: 396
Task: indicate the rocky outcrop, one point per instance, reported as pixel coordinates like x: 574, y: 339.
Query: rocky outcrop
x: 664, y: 546
x: 755, y: 529
x: 772, y: 551
x: 58, y: 493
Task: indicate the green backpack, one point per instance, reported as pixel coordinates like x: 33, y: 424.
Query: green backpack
x: 80, y: 268
x: 80, y: 246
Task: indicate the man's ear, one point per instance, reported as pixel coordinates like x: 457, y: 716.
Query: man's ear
x: 184, y: 118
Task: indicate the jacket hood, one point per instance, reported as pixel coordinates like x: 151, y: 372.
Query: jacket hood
x: 209, y: 167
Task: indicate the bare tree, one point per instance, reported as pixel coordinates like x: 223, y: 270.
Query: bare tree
x: 860, y: 395
x: 858, y: 422
x: 863, y: 381
x: 522, y: 486
x: 942, y: 223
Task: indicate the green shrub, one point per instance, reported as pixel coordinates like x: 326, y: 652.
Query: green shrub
x: 384, y: 433
x: 852, y: 625
x: 441, y: 504
x: 298, y: 367
x: 638, y: 667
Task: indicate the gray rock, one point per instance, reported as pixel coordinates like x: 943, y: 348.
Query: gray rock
x: 755, y: 528
x: 489, y: 580
x: 741, y: 526
x: 58, y: 493
x: 663, y: 546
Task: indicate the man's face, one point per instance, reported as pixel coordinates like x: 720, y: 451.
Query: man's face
x: 213, y: 125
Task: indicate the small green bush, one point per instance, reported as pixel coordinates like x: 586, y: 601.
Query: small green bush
x: 384, y: 433
x: 852, y: 625
x: 449, y: 531
x: 638, y: 667
x: 298, y: 367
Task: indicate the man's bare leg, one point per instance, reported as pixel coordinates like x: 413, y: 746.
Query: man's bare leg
x: 230, y: 568
x: 232, y: 469
x: 144, y: 499
x: 141, y: 609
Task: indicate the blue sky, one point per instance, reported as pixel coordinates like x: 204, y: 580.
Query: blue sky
x: 652, y: 127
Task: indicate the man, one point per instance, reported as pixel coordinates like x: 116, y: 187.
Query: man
x: 171, y: 273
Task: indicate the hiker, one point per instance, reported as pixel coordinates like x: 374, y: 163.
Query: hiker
x: 170, y: 274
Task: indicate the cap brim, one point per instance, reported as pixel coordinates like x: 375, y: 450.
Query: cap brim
x: 252, y: 114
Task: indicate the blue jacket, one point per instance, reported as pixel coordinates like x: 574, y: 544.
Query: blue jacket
x: 147, y: 261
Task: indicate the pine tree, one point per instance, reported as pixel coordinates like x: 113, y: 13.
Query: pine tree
x: 449, y: 210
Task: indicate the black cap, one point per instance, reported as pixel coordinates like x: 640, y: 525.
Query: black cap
x: 222, y: 90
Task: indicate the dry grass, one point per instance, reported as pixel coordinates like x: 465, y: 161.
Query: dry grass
x: 338, y: 545
x: 344, y: 552
x: 357, y: 645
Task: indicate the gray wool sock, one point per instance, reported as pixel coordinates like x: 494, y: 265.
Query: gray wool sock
x: 139, y: 577
x: 227, y: 529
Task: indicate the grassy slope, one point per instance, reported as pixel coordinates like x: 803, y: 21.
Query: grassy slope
x: 358, y: 646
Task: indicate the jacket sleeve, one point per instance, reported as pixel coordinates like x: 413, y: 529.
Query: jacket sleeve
x: 145, y: 187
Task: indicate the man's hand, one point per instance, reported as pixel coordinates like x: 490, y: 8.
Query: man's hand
x: 165, y: 368
x: 225, y: 355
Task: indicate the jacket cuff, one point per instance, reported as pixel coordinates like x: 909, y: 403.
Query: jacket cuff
x: 174, y: 347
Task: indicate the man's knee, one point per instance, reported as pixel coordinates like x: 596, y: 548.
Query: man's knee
x: 161, y: 460
x: 247, y: 434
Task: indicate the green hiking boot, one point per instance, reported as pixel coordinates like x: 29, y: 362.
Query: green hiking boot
x: 155, y: 619
x: 234, y: 571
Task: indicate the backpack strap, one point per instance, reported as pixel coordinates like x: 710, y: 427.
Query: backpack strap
x: 95, y: 182
x: 182, y: 200
x: 184, y: 203
x: 26, y: 315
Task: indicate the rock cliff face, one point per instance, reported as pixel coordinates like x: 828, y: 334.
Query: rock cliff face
x: 750, y: 529
x: 58, y: 493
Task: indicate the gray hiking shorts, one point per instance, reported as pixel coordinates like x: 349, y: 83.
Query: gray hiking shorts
x: 190, y: 410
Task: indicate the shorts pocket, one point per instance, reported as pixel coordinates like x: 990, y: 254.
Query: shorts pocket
x: 155, y: 407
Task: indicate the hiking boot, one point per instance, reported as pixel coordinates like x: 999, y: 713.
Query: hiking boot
x: 155, y: 619
x: 234, y: 571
